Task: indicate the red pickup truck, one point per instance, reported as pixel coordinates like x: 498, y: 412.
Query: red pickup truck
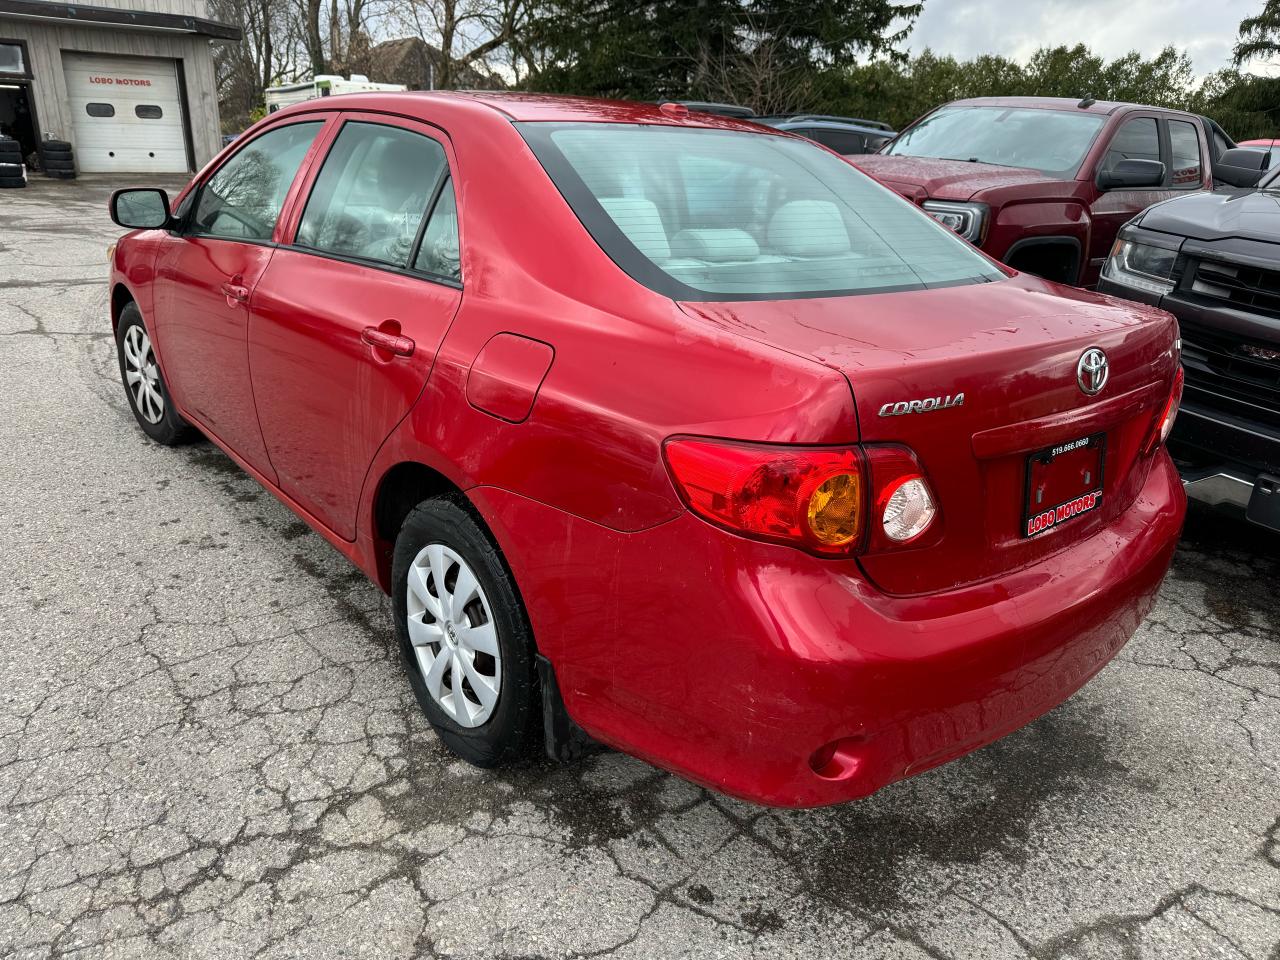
x: 1044, y: 184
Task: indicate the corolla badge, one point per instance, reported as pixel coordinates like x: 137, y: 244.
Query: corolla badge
x: 922, y: 406
x: 1092, y: 371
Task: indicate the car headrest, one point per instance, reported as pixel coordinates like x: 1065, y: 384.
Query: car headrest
x: 717, y: 245
x: 640, y: 222
x: 809, y: 228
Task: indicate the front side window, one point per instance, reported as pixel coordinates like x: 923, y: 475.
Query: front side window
x: 701, y: 214
x: 1184, y: 143
x: 1053, y: 142
x: 242, y: 201
x: 1138, y: 139
x: 372, y: 194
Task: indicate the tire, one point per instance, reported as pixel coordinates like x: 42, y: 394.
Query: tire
x: 167, y: 428
x: 506, y: 730
x: 12, y: 183
x: 61, y: 174
x: 55, y: 145
x: 8, y: 155
x: 63, y: 166
x: 8, y: 169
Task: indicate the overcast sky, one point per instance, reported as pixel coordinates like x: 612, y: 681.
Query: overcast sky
x: 1015, y: 28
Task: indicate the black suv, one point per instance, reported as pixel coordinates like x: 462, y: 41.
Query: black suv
x: 849, y: 136
x: 1213, y: 260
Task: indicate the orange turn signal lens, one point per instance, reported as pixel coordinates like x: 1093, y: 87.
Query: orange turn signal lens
x: 835, y: 509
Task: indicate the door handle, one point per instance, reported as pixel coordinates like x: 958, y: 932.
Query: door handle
x: 235, y: 293
x: 392, y: 343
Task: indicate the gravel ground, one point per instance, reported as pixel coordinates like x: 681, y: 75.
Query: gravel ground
x: 207, y: 748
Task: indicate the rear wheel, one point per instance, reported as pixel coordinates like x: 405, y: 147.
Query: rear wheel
x: 464, y: 637
x: 144, y: 383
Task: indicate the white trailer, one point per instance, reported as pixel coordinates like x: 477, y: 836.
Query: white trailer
x: 324, y: 85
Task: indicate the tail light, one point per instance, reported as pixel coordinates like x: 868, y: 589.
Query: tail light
x: 832, y: 501
x: 905, y: 510
x: 1163, y: 424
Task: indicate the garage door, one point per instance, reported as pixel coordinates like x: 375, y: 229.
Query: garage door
x: 126, y: 114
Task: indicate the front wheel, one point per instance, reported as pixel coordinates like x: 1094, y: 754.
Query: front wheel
x: 464, y: 637
x: 144, y: 383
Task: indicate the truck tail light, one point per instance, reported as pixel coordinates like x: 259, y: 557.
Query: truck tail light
x: 1163, y: 424
x: 816, y: 498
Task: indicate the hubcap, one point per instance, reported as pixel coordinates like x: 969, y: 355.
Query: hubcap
x: 141, y: 376
x: 453, y: 635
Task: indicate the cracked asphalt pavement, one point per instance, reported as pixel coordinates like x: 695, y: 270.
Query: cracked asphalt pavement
x: 207, y: 748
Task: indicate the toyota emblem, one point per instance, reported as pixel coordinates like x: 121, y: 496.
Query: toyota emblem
x: 1092, y: 371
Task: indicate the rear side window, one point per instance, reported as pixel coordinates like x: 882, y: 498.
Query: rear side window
x: 841, y: 141
x: 242, y: 200
x: 1220, y: 144
x: 1184, y: 143
x: 1137, y: 139
x: 701, y: 214
x: 440, y: 252
x: 372, y: 194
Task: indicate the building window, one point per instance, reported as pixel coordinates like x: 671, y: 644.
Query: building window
x: 12, y: 59
x: 148, y: 111
x: 99, y: 109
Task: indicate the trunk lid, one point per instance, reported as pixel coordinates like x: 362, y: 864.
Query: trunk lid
x: 1011, y: 348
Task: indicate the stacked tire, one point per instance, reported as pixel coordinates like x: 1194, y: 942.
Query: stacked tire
x: 56, y: 159
x: 12, y: 173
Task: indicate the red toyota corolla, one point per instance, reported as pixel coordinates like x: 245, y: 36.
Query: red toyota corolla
x: 663, y: 427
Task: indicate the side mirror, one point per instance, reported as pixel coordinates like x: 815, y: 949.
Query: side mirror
x: 1241, y: 167
x: 140, y: 209
x: 1131, y: 174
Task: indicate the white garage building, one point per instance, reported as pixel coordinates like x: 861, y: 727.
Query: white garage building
x: 130, y: 83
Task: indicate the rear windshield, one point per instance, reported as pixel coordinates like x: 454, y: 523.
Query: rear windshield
x: 699, y: 214
x: 1051, y: 141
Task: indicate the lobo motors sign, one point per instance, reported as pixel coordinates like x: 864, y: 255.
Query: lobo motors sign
x: 120, y: 81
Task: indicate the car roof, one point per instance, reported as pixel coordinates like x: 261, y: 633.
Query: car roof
x: 777, y: 118
x: 809, y: 123
x: 524, y: 107
x: 1105, y: 107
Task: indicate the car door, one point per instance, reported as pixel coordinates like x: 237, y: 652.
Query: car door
x: 207, y: 273
x: 348, y: 317
x: 1137, y: 138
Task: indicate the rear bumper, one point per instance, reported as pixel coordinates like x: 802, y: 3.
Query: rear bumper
x: 739, y: 664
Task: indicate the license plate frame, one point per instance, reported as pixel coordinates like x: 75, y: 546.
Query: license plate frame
x: 1089, y: 455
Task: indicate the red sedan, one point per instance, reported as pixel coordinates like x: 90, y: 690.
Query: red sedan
x: 663, y: 427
